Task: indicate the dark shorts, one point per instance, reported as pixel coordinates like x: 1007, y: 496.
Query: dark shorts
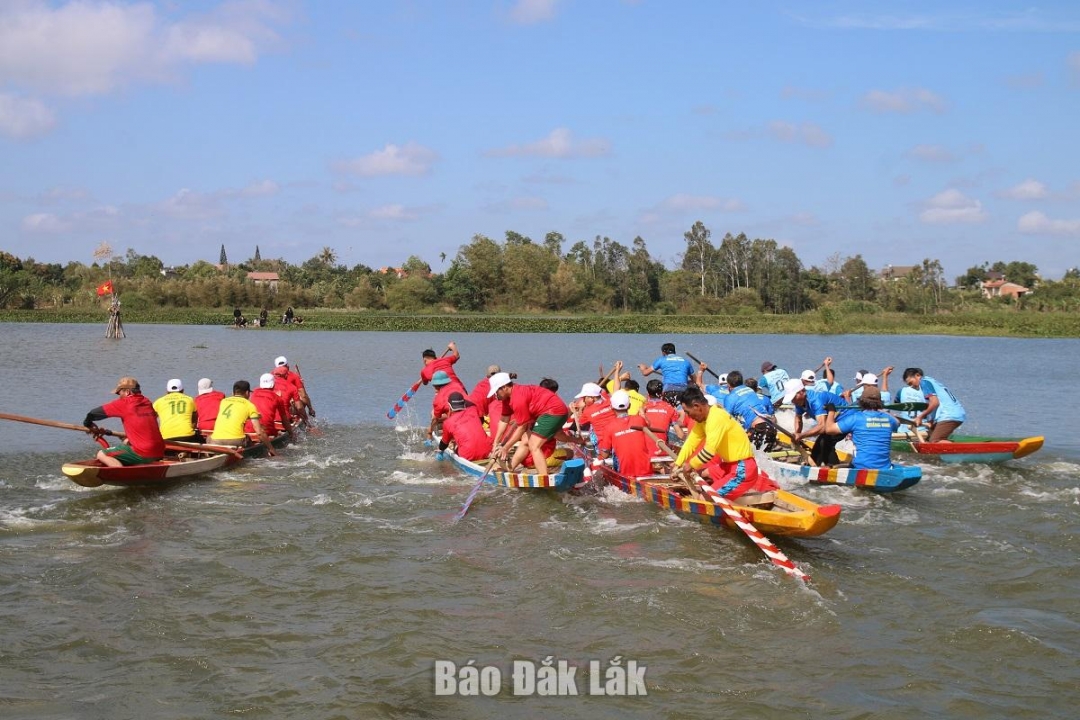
x: 127, y: 456
x: 942, y: 430
x: 547, y: 425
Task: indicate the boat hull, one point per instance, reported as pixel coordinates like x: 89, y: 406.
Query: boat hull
x: 799, y: 518
x: 570, y: 474
x: 898, y: 477
x: 969, y: 449
x: 91, y: 473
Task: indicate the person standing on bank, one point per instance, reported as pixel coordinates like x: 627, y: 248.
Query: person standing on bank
x: 144, y: 442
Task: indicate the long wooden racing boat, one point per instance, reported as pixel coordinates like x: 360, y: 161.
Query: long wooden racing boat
x: 969, y: 448
x: 898, y: 477
x: 175, y: 466
x: 561, y: 479
x: 777, y: 512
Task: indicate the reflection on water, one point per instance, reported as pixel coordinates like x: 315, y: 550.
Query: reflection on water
x: 326, y: 582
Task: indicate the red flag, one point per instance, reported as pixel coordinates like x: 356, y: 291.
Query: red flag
x: 105, y: 288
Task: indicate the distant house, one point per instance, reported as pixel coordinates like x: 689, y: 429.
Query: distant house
x: 169, y: 273
x: 897, y: 272
x: 265, y: 278
x: 394, y: 271
x: 1003, y: 288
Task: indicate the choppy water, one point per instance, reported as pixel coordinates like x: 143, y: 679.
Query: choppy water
x: 326, y: 583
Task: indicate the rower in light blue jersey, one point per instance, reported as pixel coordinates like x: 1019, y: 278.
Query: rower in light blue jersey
x: 772, y: 381
x: 945, y: 412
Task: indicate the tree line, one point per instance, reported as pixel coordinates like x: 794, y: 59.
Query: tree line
x: 520, y: 275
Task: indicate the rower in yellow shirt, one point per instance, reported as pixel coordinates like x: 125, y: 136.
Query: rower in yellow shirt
x: 176, y: 412
x: 234, y: 412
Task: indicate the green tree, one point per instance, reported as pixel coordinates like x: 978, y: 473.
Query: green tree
x: 699, y: 254
x: 223, y: 260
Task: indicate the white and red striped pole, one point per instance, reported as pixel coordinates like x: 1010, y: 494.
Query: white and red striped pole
x: 771, y: 551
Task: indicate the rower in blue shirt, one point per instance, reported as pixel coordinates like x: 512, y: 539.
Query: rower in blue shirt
x: 808, y: 401
x: 945, y: 412
x: 865, y: 379
x: 746, y: 406
x: 871, y: 430
x: 676, y: 371
x: 772, y: 381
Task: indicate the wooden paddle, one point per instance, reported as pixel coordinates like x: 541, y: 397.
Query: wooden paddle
x: 311, y: 409
x: 772, y: 552
x: 476, y: 488
x: 914, y: 427
x: 898, y: 407
x: 170, y: 445
x: 694, y: 492
x: 707, y: 368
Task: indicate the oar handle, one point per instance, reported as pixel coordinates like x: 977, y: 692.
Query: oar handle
x: 707, y: 368
x: 57, y: 424
x: 694, y: 491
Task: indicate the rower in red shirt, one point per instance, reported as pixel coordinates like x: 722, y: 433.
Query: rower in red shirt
x: 538, y: 414
x: 273, y: 411
x: 433, y: 364
x: 297, y: 382
x: 440, y: 405
x: 596, y: 411
x: 144, y: 442
x: 660, y: 415
x: 464, y: 428
x: 207, y: 403
x: 624, y: 437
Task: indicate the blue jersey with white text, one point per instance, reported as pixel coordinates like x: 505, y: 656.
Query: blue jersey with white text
x: 741, y: 403
x: 949, y: 407
x: 676, y: 371
x: 772, y: 384
x: 909, y: 394
x: 871, y: 431
x: 816, y: 402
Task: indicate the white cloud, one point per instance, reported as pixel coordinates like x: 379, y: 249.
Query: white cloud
x: 689, y: 203
x: 62, y: 193
x: 805, y: 134
x: 191, y: 205
x: 952, y: 206
x: 408, y: 159
x: 559, y: 143
x: 525, y: 202
x: 393, y: 212
x: 903, y: 101
x: 92, y: 47
x: 1030, y: 189
x: 529, y: 12
x: 261, y: 188
x: 44, y: 223
x: 24, y: 118
x: 932, y: 153
x: 1036, y: 223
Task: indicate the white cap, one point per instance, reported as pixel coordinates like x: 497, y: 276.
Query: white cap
x: 266, y: 380
x: 809, y: 376
x: 868, y: 379
x: 497, y: 381
x: 711, y: 400
x: 722, y: 379
x: 792, y: 387
x: 205, y: 385
x: 280, y: 361
x: 620, y: 400
x: 589, y: 390
x: 175, y: 385
x: 858, y: 377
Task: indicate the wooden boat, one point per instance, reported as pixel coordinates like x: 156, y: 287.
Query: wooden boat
x: 777, y: 512
x: 898, y: 477
x: 175, y: 466
x: 969, y: 448
x: 570, y: 473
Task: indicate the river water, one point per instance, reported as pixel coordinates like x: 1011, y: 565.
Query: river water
x: 327, y: 582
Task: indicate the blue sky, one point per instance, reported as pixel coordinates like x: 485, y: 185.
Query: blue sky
x: 898, y: 131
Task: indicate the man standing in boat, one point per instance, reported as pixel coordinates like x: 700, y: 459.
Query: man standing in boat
x: 434, y: 363
x: 144, y: 442
x: 945, y: 412
x: 537, y: 414
x: 676, y: 371
x: 719, y: 449
x: 772, y: 381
